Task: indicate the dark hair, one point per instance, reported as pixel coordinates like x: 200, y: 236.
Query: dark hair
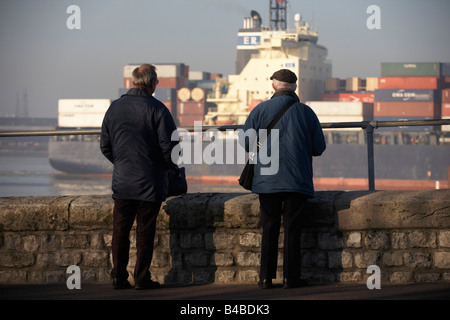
x: 144, y: 75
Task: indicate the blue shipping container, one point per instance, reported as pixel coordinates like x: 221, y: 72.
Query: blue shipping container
x: 412, y: 95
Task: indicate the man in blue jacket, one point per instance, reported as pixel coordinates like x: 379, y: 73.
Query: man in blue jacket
x: 137, y: 138
x: 285, y: 190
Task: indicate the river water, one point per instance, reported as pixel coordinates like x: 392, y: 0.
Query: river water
x: 30, y: 174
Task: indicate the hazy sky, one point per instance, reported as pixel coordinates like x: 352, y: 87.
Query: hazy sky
x: 40, y: 54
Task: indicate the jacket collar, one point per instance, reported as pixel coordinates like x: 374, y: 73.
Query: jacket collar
x: 142, y: 92
x: 285, y: 92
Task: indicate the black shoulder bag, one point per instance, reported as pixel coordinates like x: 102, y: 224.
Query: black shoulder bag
x: 246, y: 178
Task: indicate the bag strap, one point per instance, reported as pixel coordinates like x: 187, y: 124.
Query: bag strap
x: 274, y: 122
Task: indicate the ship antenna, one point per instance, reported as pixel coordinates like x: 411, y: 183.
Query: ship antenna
x: 278, y: 14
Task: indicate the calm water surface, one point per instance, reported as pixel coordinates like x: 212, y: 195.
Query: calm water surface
x: 32, y: 175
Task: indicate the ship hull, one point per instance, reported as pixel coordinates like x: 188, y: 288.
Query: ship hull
x: 342, y: 166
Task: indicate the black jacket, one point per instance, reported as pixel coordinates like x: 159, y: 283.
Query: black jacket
x: 137, y: 138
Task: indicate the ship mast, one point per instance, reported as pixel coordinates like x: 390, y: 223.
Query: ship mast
x: 278, y: 15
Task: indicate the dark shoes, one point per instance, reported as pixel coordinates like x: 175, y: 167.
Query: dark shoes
x: 121, y: 284
x: 265, y: 284
x: 287, y: 283
x: 147, y: 285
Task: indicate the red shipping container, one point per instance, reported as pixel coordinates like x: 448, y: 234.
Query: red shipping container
x: 406, y: 109
x: 409, y: 83
x: 348, y: 97
x: 445, y: 110
x: 446, y: 95
x: 171, y: 83
x: 192, y: 108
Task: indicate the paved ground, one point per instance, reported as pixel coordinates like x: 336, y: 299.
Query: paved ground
x: 228, y: 292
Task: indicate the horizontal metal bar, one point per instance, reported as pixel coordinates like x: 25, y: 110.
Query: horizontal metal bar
x: 326, y: 125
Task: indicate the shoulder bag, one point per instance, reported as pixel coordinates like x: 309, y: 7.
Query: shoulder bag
x: 177, y: 181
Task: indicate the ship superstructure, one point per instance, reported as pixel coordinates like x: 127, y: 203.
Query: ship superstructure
x: 260, y: 52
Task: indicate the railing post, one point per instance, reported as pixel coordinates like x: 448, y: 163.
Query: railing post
x: 370, y: 154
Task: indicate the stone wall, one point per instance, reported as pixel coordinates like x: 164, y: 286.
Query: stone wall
x: 205, y: 238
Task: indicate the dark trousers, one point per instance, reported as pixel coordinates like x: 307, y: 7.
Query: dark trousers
x: 273, y: 207
x: 125, y: 212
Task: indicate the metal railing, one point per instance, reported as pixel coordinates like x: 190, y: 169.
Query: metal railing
x: 367, y: 126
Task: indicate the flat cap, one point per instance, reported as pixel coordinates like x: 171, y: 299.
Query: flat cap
x: 284, y: 75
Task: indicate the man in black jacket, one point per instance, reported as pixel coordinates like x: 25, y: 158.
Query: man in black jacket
x: 137, y: 138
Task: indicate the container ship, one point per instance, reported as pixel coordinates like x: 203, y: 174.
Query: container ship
x: 405, y: 157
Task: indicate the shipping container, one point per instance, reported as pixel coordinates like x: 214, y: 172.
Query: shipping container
x: 199, y: 75
x: 330, y: 108
x: 80, y: 120
x: 348, y: 97
x: 406, y: 109
x: 446, y: 95
x: 165, y: 94
x: 410, y: 69
x: 128, y: 70
x: 83, y: 105
x: 215, y: 76
x: 128, y: 83
x: 445, y: 69
x: 445, y: 128
x: 165, y: 70
x: 409, y: 83
x: 446, y: 82
x: 371, y: 84
x: 334, y: 84
x: 188, y: 120
x: 445, y: 110
x: 355, y: 84
x: 191, y: 108
x: 417, y: 95
x: 208, y: 85
x: 404, y: 128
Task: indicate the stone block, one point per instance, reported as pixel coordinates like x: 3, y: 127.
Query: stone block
x: 363, y: 210
x: 442, y: 259
x: 91, y: 212
x: 34, y: 213
x: 444, y: 238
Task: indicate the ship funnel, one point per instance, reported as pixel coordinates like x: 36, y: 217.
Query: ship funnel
x: 254, y: 22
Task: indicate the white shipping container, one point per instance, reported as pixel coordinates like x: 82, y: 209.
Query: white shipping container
x: 163, y: 70
x: 80, y: 120
x: 199, y: 75
x: 340, y: 108
x: 128, y: 70
x: 83, y: 105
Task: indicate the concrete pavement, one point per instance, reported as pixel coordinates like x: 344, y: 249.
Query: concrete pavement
x: 414, y: 291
